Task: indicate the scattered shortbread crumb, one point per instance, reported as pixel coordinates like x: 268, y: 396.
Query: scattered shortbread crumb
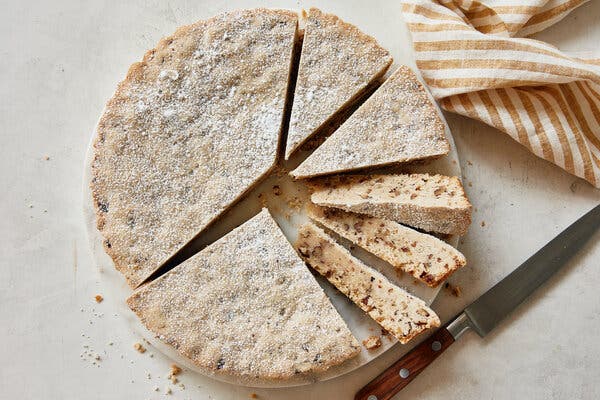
x: 139, y: 348
x: 168, y: 390
x: 482, y: 224
x: 175, y: 370
x: 372, y: 342
x: 456, y: 291
x: 98, y: 298
x: 253, y: 396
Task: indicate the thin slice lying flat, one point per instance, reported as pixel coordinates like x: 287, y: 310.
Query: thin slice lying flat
x: 190, y: 129
x: 400, y: 313
x: 337, y: 65
x: 247, y: 306
x: 425, y: 257
x: 398, y: 123
x: 433, y: 203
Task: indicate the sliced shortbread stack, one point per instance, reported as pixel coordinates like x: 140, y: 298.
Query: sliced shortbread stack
x: 398, y: 123
x: 190, y: 129
x: 397, y: 311
x: 338, y: 64
x: 433, y: 203
x: 247, y: 306
x: 424, y: 256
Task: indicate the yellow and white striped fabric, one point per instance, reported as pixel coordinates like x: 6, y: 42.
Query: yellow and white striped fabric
x: 474, y: 58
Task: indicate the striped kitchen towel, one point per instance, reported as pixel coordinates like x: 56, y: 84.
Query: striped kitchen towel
x: 477, y: 63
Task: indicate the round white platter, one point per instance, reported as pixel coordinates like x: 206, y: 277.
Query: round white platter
x: 395, y: 38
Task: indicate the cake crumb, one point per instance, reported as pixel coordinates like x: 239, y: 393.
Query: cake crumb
x: 253, y: 396
x: 456, y: 291
x: 175, y: 370
x: 47, y: 158
x: 139, y: 348
x: 98, y: 298
x: 168, y: 390
x: 372, y: 342
x: 276, y: 190
x: 482, y: 224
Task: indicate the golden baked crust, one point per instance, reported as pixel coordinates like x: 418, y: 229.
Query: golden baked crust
x: 424, y: 256
x: 398, y: 312
x: 398, y: 123
x: 247, y: 306
x: 433, y: 203
x: 190, y: 129
x: 338, y: 63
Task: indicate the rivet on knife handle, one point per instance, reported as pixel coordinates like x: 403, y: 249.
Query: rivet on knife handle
x: 401, y: 373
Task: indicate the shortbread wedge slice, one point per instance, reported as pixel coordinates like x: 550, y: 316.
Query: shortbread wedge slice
x: 424, y: 256
x: 338, y: 64
x: 433, y: 203
x: 399, y: 123
x: 398, y: 312
x: 247, y: 306
x: 191, y: 128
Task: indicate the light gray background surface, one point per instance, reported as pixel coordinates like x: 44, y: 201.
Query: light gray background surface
x: 60, y: 62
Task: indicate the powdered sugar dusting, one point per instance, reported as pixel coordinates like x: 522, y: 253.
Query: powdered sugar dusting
x: 247, y: 296
x: 398, y: 123
x: 189, y: 130
x: 338, y: 62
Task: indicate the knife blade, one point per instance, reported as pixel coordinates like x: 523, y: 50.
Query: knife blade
x: 485, y: 313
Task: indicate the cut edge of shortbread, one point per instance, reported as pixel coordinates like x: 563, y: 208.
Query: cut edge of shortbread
x: 311, y: 93
x: 424, y: 256
x: 433, y: 203
x: 397, y: 311
x: 398, y: 124
x: 247, y: 306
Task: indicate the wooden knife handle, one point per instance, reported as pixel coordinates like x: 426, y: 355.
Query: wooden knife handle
x: 403, y: 371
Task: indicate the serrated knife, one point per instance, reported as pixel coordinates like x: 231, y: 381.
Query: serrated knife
x: 485, y: 313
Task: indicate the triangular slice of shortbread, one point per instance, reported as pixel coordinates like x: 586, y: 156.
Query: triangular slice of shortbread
x: 424, y: 256
x: 433, y: 203
x: 190, y: 129
x: 247, y: 306
x: 338, y: 63
x: 398, y: 123
x: 397, y: 311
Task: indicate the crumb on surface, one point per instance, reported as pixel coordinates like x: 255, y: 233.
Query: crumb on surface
x: 47, y: 158
x: 175, y: 370
x: 98, y: 298
x: 139, y: 348
x: 372, y: 342
x: 482, y: 224
x: 456, y: 291
x: 253, y: 396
